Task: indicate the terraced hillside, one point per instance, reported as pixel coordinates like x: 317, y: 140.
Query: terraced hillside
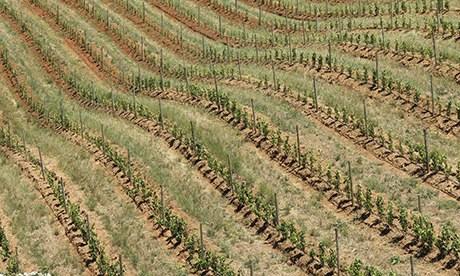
x: 230, y: 137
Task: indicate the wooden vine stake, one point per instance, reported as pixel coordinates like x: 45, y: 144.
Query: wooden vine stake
x: 102, y: 133
x: 129, y: 165
x: 102, y: 58
x: 162, y: 86
x: 433, y: 41
x: 142, y: 49
x: 427, y: 157
x: 187, y: 85
x: 138, y: 83
x: 216, y: 88
x: 57, y: 14
x: 143, y: 11
x: 220, y: 26
x: 329, y: 55
x: 61, y: 182
x: 315, y: 94
x: 120, y: 265
x: 160, y: 117
x: 298, y: 143
x: 108, y: 19
x: 419, y: 204
x: 437, y: 11
x: 162, y: 200
x: 230, y: 172
x: 350, y: 184
x: 412, y: 268
x: 337, y: 250
x: 432, y: 94
x: 24, y: 144
x: 42, y: 166
x: 85, y: 40
x: 257, y: 48
x: 192, y: 129
x: 203, y: 50
x: 254, y: 124
x: 181, y: 37
x: 201, y: 241
x: 366, y: 129
x: 382, y: 30
x: 277, y: 212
